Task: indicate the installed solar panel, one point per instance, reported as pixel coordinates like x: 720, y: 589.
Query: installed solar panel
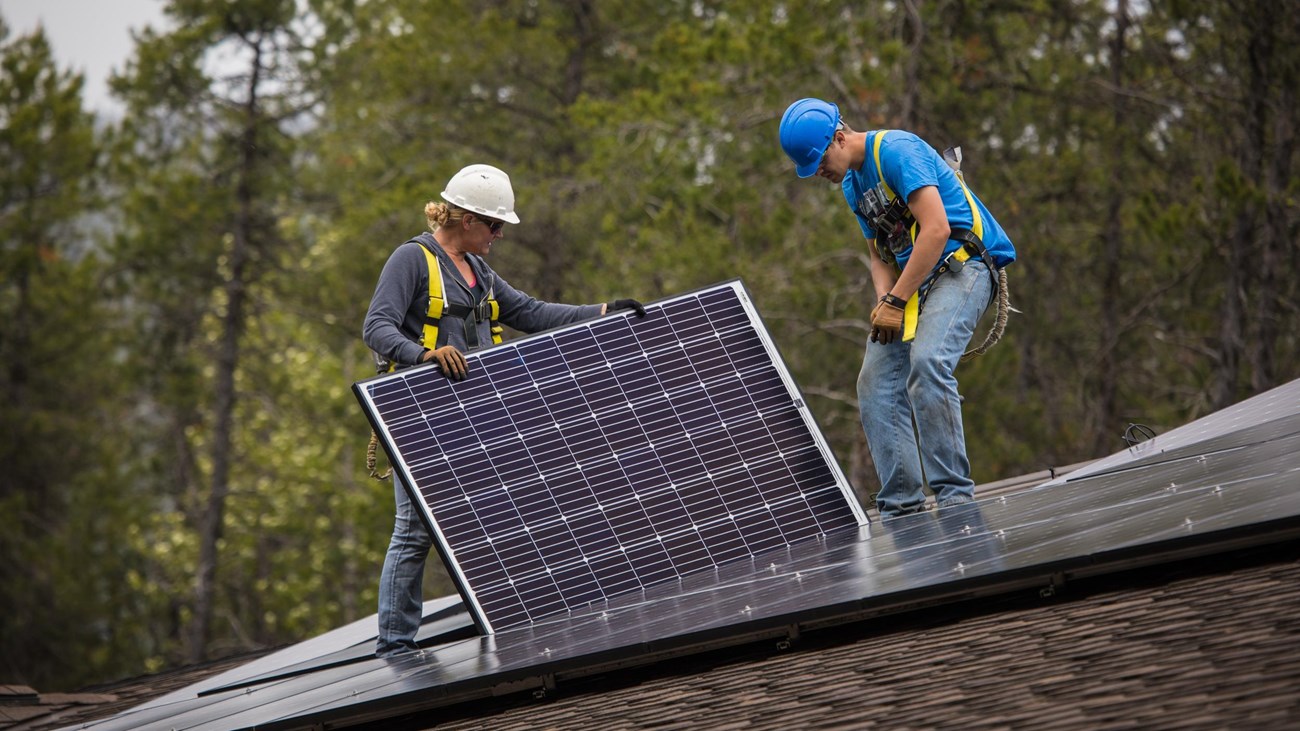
x: 598, y: 459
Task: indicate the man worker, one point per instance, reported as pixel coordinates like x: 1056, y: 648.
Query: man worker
x: 935, y: 251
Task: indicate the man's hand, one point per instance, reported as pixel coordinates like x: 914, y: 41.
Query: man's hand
x: 886, y: 323
x: 450, y: 360
x: 633, y: 305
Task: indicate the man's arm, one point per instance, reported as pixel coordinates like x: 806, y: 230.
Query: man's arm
x: 883, y: 276
x: 931, y: 238
x: 887, y: 319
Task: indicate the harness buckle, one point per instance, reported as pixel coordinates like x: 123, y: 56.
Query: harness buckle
x: 952, y: 264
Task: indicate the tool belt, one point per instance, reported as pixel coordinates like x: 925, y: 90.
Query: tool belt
x: 890, y: 218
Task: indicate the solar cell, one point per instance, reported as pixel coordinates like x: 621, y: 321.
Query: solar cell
x: 601, y: 458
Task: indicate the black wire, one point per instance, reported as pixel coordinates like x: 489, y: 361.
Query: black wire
x: 1136, y: 433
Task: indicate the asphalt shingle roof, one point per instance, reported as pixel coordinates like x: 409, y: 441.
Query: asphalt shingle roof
x: 1210, y: 643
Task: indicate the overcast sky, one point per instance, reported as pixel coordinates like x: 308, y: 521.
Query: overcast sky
x: 90, y: 36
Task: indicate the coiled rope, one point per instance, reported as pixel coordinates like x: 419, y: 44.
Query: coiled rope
x: 999, y: 322
x: 371, y: 458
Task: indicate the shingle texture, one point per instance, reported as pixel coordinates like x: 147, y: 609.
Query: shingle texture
x: 1173, y: 647
x: 30, y: 711
x: 1212, y: 643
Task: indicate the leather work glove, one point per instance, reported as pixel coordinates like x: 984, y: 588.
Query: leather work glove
x: 450, y: 360
x: 886, y: 323
x: 633, y: 305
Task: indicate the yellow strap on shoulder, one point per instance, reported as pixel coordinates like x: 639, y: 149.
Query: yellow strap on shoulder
x: 430, y: 339
x: 977, y: 223
x: 880, y: 172
x: 912, y: 312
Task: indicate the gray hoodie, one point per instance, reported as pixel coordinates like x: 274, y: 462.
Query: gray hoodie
x: 395, y: 320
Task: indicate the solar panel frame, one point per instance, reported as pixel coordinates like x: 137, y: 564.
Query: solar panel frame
x: 681, y: 342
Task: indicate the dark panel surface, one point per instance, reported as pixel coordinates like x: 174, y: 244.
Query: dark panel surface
x: 1244, y: 491
x: 575, y: 466
x: 1260, y: 417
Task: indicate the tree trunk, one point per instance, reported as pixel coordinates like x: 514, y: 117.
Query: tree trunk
x: 1112, y: 249
x: 227, y: 361
x: 1267, y: 155
x: 555, y: 252
x: 1242, y: 326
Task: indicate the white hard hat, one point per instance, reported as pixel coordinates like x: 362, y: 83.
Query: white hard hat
x: 482, y: 189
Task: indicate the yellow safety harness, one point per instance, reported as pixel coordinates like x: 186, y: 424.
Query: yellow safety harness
x: 437, y: 308
x: 912, y: 312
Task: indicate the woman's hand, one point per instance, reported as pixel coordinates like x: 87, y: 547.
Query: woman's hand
x: 450, y: 360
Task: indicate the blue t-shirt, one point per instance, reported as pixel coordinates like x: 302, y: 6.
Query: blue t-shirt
x: 910, y: 164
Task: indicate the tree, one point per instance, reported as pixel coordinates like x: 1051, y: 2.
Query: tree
x: 59, y: 491
x: 207, y: 156
x: 1238, y: 71
x: 1141, y: 156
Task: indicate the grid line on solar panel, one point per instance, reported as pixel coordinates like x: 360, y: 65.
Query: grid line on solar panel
x: 505, y: 463
x: 771, y: 527
x: 607, y: 474
x: 630, y: 471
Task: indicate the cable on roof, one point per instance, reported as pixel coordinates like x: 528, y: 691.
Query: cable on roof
x: 1138, y: 433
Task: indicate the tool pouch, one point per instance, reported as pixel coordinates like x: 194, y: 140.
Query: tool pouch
x: 891, y: 219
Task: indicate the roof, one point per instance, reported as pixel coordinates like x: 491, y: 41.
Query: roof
x: 1156, y: 587
x: 1209, y: 643
x: 23, y: 708
x: 1205, y: 643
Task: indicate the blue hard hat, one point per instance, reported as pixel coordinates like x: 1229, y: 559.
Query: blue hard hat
x: 807, y: 128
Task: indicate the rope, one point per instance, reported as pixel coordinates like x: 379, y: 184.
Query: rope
x: 999, y: 323
x: 370, y: 458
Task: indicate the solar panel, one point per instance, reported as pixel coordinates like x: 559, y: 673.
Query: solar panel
x: 1241, y: 423
x: 1237, y: 489
x: 601, y: 458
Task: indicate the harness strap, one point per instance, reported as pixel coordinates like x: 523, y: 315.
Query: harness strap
x: 875, y: 153
x: 438, y: 308
x: 494, y: 312
x: 911, y: 312
x: 436, y: 301
x: 969, y: 248
x: 977, y: 221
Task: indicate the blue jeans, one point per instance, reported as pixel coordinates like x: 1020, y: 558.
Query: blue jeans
x: 905, y: 382
x: 400, y: 585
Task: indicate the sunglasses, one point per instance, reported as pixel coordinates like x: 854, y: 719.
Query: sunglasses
x: 493, y: 226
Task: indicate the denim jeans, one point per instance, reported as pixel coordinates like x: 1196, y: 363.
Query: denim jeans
x: 400, y: 585
x: 901, y: 382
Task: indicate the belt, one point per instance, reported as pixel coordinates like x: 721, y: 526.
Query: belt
x: 971, y: 248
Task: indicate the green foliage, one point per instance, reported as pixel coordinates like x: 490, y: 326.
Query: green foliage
x: 63, y: 492
x: 1141, y: 157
